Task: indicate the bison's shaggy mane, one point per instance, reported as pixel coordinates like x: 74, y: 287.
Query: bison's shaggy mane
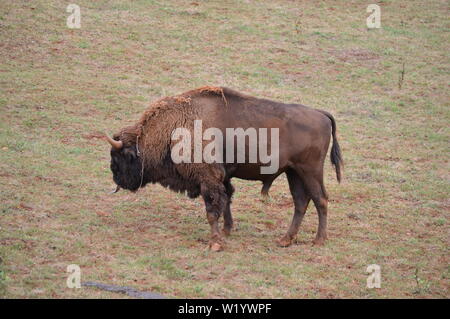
x: 152, y: 132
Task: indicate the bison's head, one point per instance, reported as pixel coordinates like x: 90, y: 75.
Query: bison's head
x: 126, y: 165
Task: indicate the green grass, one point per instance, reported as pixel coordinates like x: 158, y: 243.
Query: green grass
x: 59, y: 86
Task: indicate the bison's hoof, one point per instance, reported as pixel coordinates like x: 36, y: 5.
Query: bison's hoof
x: 216, y: 247
x: 226, y: 231
x: 284, y: 242
x: 319, y: 241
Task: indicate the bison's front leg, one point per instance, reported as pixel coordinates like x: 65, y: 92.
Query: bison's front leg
x: 227, y: 218
x: 216, y: 200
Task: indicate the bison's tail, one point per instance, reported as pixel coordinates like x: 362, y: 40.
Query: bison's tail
x: 335, y: 155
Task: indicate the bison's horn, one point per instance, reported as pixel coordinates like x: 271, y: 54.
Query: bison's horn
x: 115, y: 144
x: 116, y: 190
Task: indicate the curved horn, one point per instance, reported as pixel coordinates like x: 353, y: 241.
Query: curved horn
x: 116, y: 190
x: 115, y: 144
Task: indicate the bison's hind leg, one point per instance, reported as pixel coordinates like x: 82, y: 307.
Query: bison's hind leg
x: 301, y: 201
x: 313, y: 180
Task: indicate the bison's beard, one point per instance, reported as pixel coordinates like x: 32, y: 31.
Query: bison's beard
x: 127, y: 172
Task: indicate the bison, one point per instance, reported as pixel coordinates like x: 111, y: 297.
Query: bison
x: 141, y: 153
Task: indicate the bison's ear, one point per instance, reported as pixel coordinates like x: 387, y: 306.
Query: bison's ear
x: 117, y: 145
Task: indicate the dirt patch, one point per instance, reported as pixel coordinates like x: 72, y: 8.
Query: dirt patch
x: 354, y: 55
x: 124, y: 290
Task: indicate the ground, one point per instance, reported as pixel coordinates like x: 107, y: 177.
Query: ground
x: 61, y: 86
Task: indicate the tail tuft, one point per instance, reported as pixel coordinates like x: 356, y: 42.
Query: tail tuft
x: 335, y: 154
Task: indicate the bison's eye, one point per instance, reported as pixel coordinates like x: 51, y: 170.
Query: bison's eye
x: 115, y: 160
x: 129, y: 153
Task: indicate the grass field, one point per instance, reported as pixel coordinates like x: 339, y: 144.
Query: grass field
x: 59, y: 86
